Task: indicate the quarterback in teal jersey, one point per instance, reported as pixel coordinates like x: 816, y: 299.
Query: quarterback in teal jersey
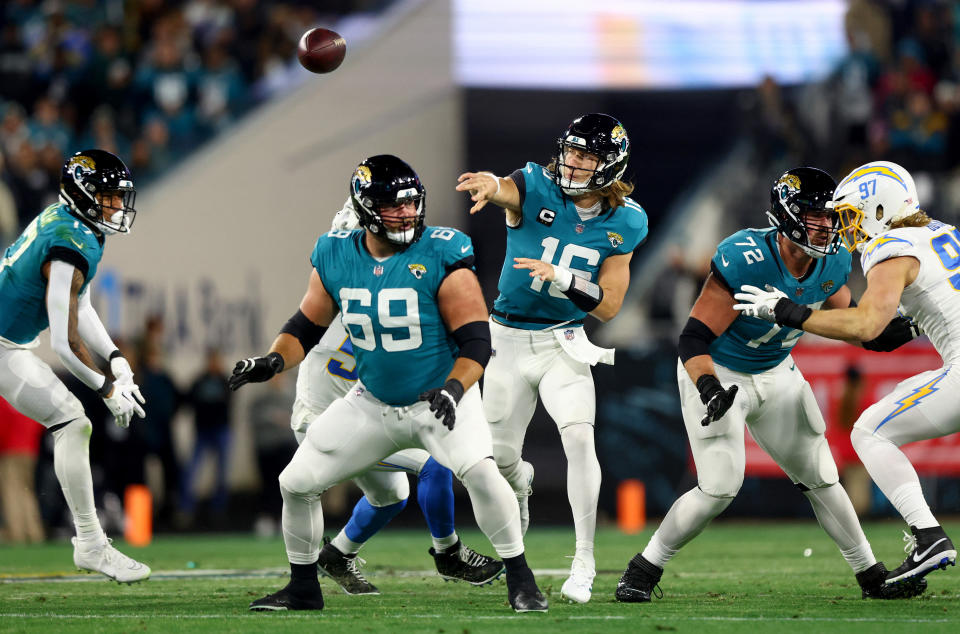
x: 766, y: 392
x: 410, y: 301
x: 571, y: 231
x: 44, y: 282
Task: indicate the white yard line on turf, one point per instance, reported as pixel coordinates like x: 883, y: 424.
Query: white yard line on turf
x: 479, y: 617
x: 168, y: 575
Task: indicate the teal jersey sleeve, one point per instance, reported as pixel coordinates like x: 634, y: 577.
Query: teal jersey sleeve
x: 752, y: 257
x: 53, y: 235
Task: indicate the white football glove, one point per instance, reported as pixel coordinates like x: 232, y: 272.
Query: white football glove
x: 122, y: 405
x: 123, y: 374
x: 757, y: 302
x: 347, y: 218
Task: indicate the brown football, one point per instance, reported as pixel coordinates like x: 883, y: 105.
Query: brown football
x: 321, y: 50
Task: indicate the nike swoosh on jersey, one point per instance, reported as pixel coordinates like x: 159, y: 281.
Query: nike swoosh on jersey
x: 723, y: 260
x: 917, y: 557
x: 76, y: 244
x: 464, y: 249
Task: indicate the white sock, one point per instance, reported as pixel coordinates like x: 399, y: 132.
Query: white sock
x: 891, y: 470
x: 71, y: 462
x: 441, y: 544
x: 583, y: 480
x: 302, y: 524
x: 495, y: 507
x: 658, y: 554
x: 686, y: 519
x: 835, y: 513
x: 908, y: 499
x: 346, y: 545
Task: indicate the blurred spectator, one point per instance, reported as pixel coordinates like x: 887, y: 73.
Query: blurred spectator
x: 275, y: 445
x: 220, y: 87
x: 19, y: 446
x: 30, y: 182
x: 163, y: 400
x: 210, y: 398
x: 855, y: 478
x: 9, y: 222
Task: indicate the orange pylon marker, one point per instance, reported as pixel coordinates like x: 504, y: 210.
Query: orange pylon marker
x: 631, y: 506
x: 138, y: 515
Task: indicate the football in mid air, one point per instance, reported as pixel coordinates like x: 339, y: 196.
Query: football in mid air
x: 321, y: 50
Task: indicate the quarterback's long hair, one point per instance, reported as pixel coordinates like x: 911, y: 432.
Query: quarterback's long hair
x: 613, y: 194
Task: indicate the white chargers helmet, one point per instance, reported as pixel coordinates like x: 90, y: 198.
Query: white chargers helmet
x: 870, y: 199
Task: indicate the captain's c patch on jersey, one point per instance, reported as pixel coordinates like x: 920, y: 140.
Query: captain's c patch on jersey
x: 546, y: 216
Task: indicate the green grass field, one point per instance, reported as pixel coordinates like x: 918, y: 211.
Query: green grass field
x: 734, y: 577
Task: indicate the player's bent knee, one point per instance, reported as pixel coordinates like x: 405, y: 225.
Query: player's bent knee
x: 384, y: 488
x: 577, y: 438
x: 296, y: 480
x: 79, y: 429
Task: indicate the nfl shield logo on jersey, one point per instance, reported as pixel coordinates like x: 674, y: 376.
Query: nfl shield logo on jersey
x: 568, y: 333
x: 579, y: 228
x: 378, y: 270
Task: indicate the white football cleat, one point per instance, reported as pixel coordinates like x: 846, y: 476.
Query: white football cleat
x: 579, y: 585
x: 109, y: 561
x: 523, y: 497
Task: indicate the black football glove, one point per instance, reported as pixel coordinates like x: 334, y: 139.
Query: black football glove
x: 255, y: 370
x: 717, y: 400
x: 443, y: 401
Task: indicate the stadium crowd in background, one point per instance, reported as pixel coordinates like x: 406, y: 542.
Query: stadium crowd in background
x: 148, y: 81
x: 895, y: 95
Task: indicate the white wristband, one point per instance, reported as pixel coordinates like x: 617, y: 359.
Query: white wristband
x: 496, y: 179
x: 562, y: 278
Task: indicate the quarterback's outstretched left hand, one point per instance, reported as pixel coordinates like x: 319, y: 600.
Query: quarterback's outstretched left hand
x: 443, y: 401
x: 255, y: 370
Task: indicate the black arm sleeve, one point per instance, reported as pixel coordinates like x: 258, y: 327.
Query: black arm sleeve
x: 473, y: 339
x: 695, y: 339
x: 521, y: 183
x: 65, y: 254
x: 306, y: 332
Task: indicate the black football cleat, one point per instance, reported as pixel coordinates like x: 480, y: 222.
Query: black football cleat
x: 461, y: 562
x: 523, y: 593
x: 639, y: 581
x: 874, y: 585
x: 928, y: 549
x: 310, y: 598
x: 343, y: 570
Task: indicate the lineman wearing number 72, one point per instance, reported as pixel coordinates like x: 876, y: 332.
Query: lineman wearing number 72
x: 736, y: 371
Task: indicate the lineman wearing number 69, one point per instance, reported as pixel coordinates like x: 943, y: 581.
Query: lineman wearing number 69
x: 409, y: 298
x: 736, y: 371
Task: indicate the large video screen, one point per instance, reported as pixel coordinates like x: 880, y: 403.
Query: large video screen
x: 629, y: 44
